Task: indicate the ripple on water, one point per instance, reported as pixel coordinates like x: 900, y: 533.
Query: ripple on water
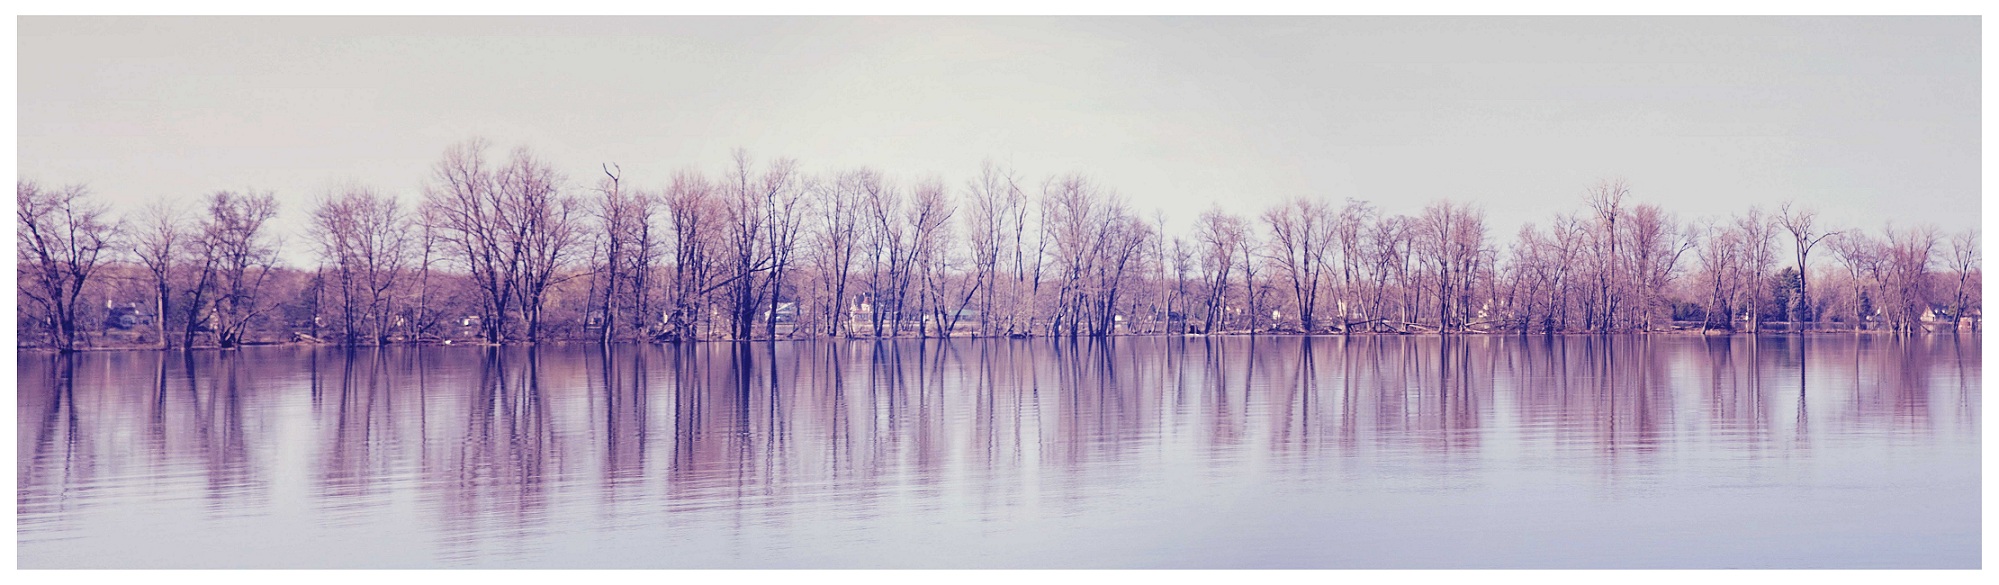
x: 1220, y: 452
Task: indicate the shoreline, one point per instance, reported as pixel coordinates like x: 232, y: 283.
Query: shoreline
x: 1274, y: 334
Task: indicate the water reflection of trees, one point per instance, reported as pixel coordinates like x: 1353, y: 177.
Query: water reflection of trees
x: 88, y: 422
x: 54, y: 459
x: 350, y: 395
x: 1610, y: 394
x: 504, y: 444
x: 492, y: 480
x: 1890, y: 382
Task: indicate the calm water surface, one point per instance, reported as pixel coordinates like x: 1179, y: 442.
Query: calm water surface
x: 1489, y: 452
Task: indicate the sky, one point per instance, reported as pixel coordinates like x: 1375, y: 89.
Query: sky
x: 1869, y: 120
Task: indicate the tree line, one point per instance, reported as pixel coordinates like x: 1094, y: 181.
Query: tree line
x: 506, y: 248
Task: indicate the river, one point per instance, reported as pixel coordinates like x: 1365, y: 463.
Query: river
x: 1820, y: 451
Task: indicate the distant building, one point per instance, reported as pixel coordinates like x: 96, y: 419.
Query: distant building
x: 127, y: 317
x: 786, y: 313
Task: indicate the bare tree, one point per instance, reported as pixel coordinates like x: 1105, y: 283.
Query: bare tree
x: 1452, y: 245
x: 1351, y: 232
x: 244, y: 254
x: 1656, y: 245
x: 1861, y: 256
x: 1125, y: 236
x: 643, y: 261
x: 200, y: 264
x: 365, y: 237
x: 748, y: 248
x: 613, y: 213
x: 1544, y: 271
x: 1964, y: 260
x: 1163, y: 284
x: 784, y: 208
x: 1302, y: 232
x: 1182, y: 257
x: 930, y: 212
x: 542, y: 224
x: 1720, y: 253
x: 1906, y: 282
x: 1077, y: 222
x: 333, y: 233
x: 1532, y: 272
x: 886, y: 252
x: 1256, y: 292
x: 1222, y: 236
x: 1567, y: 235
x: 160, y: 237
x: 628, y: 254
x: 694, y: 212
x: 834, y: 238
x: 1756, y: 232
x: 421, y: 316
x: 995, y: 197
x: 1388, y: 251
x: 1025, y: 290
x: 1798, y: 221
x: 383, y: 248
x: 1606, y: 199
x: 767, y: 243
x: 63, y: 238
x: 512, y: 228
x: 463, y: 204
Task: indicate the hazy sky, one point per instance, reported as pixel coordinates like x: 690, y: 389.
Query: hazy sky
x: 1869, y: 119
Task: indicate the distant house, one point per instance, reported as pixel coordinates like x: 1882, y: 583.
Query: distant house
x: 127, y: 317
x: 1942, y: 314
x: 786, y: 313
x: 963, y: 319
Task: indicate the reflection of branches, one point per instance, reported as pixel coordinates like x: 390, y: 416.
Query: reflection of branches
x: 764, y: 434
x: 222, y: 437
x: 58, y: 457
x: 625, y: 396
x: 500, y: 471
x: 1736, y: 399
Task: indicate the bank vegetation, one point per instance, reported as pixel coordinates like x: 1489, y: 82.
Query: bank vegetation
x: 502, y: 247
